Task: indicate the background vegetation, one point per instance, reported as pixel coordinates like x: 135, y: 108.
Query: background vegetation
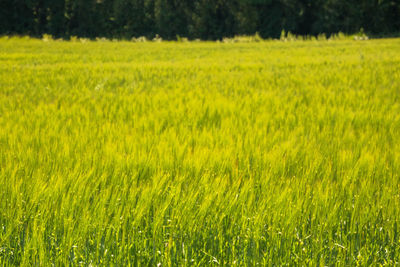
x: 192, y: 154
x: 205, y: 19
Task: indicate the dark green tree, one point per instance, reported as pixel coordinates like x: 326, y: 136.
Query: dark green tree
x: 212, y: 19
x: 81, y: 18
x: 172, y: 17
x: 205, y: 19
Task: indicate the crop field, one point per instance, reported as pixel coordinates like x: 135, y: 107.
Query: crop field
x: 199, y: 153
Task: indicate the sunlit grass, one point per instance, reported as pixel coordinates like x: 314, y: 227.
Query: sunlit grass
x: 191, y: 154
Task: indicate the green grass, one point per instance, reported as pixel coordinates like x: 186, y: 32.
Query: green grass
x: 193, y: 154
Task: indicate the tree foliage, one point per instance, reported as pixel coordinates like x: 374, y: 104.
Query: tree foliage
x: 205, y: 19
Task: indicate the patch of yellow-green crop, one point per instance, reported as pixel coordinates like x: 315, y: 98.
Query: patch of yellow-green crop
x: 193, y: 154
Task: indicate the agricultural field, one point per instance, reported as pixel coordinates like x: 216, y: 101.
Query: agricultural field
x: 199, y: 153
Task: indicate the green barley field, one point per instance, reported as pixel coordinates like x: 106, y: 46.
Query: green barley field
x: 267, y: 153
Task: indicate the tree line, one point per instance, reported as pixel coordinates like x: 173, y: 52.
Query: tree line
x: 204, y: 19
